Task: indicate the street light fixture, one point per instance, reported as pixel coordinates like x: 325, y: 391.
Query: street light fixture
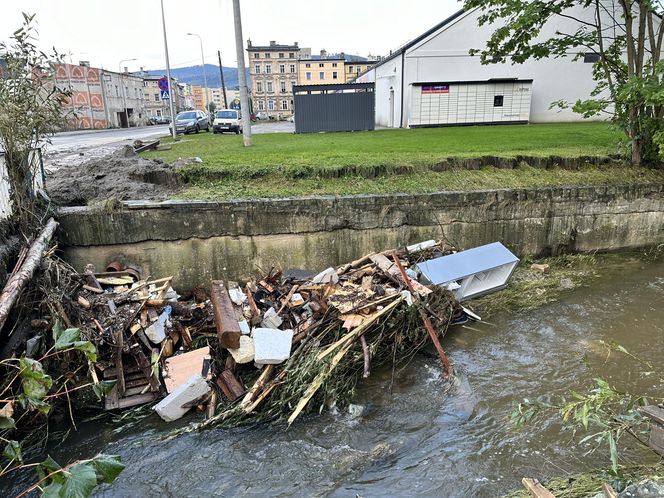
x: 124, y: 96
x: 204, y: 76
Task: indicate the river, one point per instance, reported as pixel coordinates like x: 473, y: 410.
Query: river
x: 416, y: 435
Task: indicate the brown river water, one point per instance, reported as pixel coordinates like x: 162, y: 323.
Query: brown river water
x: 415, y: 439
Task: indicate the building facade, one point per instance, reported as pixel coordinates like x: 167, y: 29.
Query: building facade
x: 353, y: 68
x: 434, y: 81
x: 322, y: 70
x: 155, y: 106
x: 273, y: 71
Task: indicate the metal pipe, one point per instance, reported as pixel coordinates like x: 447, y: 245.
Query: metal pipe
x: 168, y: 74
x: 205, y: 92
x: 242, y: 75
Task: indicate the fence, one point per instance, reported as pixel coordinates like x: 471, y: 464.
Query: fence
x: 341, y: 107
x: 37, y: 173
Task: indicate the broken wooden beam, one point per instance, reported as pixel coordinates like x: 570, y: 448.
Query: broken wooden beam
x: 228, y: 328
x: 230, y: 385
x: 536, y: 489
x: 656, y: 414
x: 18, y: 279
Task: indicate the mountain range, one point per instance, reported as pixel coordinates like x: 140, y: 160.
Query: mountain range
x: 193, y: 75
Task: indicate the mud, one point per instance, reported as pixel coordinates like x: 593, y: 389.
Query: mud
x: 121, y: 175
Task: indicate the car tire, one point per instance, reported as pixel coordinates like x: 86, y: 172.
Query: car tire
x: 207, y: 129
x: 198, y: 129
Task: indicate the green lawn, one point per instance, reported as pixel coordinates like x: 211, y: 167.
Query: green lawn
x: 390, y: 161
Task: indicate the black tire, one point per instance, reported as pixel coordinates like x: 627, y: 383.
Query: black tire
x: 207, y: 129
x: 198, y: 128
x: 237, y: 132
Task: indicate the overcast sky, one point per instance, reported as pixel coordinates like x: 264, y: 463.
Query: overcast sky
x: 105, y: 32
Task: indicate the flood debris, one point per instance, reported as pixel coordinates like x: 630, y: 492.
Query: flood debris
x: 275, y: 347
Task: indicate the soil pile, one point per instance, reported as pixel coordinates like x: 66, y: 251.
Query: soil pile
x: 122, y: 175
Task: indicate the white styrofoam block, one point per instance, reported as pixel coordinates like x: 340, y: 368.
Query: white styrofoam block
x: 237, y: 296
x: 328, y: 276
x: 244, y: 327
x: 245, y: 353
x: 170, y: 408
x: 272, y: 346
x: 271, y: 320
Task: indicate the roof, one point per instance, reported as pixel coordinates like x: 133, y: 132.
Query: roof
x: 272, y: 47
x: 465, y: 263
x: 339, y: 57
x: 415, y: 41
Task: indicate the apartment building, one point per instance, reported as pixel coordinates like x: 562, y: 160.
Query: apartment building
x: 155, y: 106
x: 273, y: 71
x: 354, y: 66
x: 325, y: 68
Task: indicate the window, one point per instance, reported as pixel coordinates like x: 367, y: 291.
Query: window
x: 359, y: 69
x: 498, y: 101
x: 334, y: 75
x: 590, y: 58
x: 334, y: 64
x: 257, y: 68
x: 350, y: 69
x: 321, y: 65
x: 282, y: 68
x: 307, y: 65
x: 281, y: 55
x: 291, y: 55
x: 283, y: 87
x: 268, y: 68
x: 292, y: 68
x: 257, y: 56
x: 270, y: 105
x: 284, y: 105
x: 293, y: 83
x: 117, y: 92
x: 259, y: 87
x: 321, y: 75
x: 158, y: 112
x: 267, y: 55
x: 261, y: 105
x: 308, y: 76
x: 269, y: 86
x: 156, y: 97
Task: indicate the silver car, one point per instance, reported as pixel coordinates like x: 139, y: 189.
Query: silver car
x: 191, y: 121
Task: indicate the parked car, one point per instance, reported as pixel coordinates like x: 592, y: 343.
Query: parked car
x: 227, y: 120
x: 158, y: 120
x: 261, y: 115
x: 191, y: 121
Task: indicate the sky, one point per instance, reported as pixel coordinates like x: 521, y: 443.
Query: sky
x: 106, y: 32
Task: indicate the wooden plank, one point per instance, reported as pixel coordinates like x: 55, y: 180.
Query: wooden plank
x: 609, y: 492
x: 657, y: 439
x: 228, y: 328
x: 230, y: 385
x: 653, y: 412
x: 139, y: 399
x: 179, y: 369
x: 536, y: 489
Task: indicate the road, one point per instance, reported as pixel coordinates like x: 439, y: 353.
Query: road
x: 70, y: 146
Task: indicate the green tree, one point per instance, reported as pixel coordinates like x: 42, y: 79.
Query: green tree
x: 625, y: 35
x: 30, y: 108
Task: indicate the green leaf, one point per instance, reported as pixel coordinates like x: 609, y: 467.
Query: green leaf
x: 108, y: 467
x: 102, y: 388
x: 49, y: 466
x: 53, y: 490
x: 86, y: 347
x: 79, y: 481
x: 67, y: 339
x: 584, y: 416
x: 7, y: 423
x: 613, y: 452
x: 13, y: 451
x: 57, y: 330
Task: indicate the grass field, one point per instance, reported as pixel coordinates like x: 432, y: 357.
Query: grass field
x: 390, y: 161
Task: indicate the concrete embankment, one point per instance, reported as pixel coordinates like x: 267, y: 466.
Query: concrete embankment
x: 196, y: 241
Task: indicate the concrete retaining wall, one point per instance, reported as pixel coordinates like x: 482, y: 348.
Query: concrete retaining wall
x: 197, y: 241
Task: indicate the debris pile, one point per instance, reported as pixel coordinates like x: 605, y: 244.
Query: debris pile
x: 285, y: 344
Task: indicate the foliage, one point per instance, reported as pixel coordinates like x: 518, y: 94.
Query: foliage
x: 30, y: 108
x: 211, y: 107
x: 76, y: 480
x: 604, y: 411
x: 626, y: 35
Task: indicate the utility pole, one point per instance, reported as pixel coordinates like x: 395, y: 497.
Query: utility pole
x: 205, y: 92
x: 223, y: 85
x: 244, y: 97
x: 168, y: 74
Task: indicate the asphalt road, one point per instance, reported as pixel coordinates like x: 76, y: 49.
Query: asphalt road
x: 74, y: 140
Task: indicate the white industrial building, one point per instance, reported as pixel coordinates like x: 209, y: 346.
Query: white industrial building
x: 434, y: 81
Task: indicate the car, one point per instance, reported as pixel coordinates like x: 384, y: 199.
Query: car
x: 227, y: 120
x: 261, y: 116
x: 191, y: 121
x: 158, y: 120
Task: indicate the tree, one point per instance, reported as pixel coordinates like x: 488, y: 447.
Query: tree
x: 625, y: 36
x: 211, y: 107
x: 30, y: 108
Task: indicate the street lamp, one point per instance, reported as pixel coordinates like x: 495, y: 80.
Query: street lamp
x: 124, y: 96
x: 204, y: 76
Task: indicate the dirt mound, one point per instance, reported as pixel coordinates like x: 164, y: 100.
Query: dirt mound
x: 122, y: 174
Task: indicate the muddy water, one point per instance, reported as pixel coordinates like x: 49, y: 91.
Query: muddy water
x: 410, y: 438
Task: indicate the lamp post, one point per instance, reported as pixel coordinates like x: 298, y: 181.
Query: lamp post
x: 168, y: 74
x: 124, y: 96
x: 204, y: 76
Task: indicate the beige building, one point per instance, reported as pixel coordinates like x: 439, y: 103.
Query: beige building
x: 357, y: 67
x: 273, y: 70
x: 322, y: 70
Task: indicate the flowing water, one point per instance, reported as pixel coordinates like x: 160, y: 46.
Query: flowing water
x: 410, y: 437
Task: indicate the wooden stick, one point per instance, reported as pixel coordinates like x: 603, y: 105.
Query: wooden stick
x: 288, y: 297
x: 276, y: 382
x: 536, y: 489
x: 93, y: 289
x: 344, y: 268
x: 425, y: 317
x: 18, y: 280
x: 367, y: 359
x: 608, y: 490
x: 258, y: 385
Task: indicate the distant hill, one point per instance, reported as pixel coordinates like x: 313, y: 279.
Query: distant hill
x: 193, y: 75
